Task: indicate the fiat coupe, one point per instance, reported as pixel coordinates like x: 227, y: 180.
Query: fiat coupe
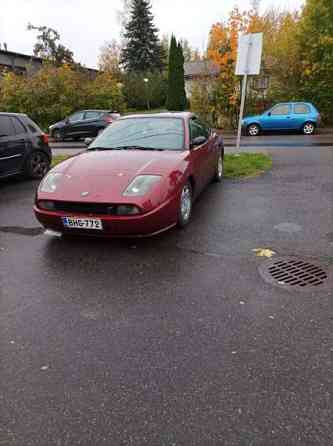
x: 138, y: 178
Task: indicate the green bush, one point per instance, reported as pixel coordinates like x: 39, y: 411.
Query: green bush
x: 55, y: 92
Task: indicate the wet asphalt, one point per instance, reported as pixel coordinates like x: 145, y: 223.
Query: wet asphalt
x: 174, y: 340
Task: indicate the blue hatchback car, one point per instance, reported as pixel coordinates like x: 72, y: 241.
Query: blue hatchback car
x: 299, y: 116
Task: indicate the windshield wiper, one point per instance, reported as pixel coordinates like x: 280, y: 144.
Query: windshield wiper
x: 134, y: 147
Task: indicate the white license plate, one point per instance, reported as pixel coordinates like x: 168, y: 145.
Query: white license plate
x: 82, y: 223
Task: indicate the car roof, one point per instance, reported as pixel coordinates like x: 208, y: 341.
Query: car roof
x: 96, y: 110
x: 294, y: 102
x: 12, y: 114
x: 182, y: 115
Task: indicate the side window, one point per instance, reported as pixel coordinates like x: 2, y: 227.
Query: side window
x: 76, y: 117
x: 92, y: 115
x: 197, y: 129
x: 282, y: 109
x: 301, y: 109
x: 205, y: 129
x: 18, y: 126
x: 6, y: 126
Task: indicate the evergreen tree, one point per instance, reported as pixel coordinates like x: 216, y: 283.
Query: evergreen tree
x: 181, y: 77
x: 143, y: 50
x: 176, y: 82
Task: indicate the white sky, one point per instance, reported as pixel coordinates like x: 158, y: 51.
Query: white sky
x: 84, y: 25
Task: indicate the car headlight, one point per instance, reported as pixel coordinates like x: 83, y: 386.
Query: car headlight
x: 50, y: 182
x: 141, y: 185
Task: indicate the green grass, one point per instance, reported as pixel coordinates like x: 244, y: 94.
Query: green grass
x: 240, y: 165
x: 58, y: 158
x: 243, y: 165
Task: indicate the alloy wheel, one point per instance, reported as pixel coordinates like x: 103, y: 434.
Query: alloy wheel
x: 308, y: 128
x: 253, y: 130
x: 186, y: 203
x: 39, y: 164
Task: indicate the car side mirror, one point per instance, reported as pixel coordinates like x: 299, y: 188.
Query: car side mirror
x: 198, y: 141
x: 88, y: 141
x: 269, y: 114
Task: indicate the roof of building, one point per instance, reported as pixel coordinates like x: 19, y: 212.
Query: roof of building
x: 35, y: 58
x: 201, y: 68
x: 25, y: 56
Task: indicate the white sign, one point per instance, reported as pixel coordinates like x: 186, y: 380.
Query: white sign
x: 249, y: 54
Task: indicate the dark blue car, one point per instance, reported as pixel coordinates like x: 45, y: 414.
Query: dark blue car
x: 296, y: 116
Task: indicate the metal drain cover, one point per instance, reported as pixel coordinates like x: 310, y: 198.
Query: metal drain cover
x: 293, y: 273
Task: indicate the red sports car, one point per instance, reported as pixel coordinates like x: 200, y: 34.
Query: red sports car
x: 138, y: 178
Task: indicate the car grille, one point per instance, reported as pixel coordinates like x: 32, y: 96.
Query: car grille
x: 86, y: 208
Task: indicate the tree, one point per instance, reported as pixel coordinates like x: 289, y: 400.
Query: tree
x: 48, y: 48
x: 137, y: 92
x: 142, y: 50
x: 109, y: 58
x: 55, y: 92
x: 222, y: 50
x: 190, y: 54
x: 176, y: 82
x: 316, y: 50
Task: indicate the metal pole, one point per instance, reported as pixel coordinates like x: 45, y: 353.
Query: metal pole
x: 241, y: 111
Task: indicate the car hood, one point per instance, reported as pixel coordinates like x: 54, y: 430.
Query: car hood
x: 57, y: 125
x: 252, y: 118
x: 106, y: 174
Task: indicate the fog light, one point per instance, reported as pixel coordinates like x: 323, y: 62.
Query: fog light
x: 47, y: 205
x: 127, y: 210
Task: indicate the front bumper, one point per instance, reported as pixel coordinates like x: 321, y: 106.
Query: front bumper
x: 143, y: 225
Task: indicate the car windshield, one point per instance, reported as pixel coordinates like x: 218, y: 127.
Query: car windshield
x: 142, y: 133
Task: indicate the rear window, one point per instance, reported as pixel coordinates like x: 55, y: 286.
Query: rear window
x: 31, y: 125
x: 301, y: 109
x: 150, y: 133
x: 92, y: 115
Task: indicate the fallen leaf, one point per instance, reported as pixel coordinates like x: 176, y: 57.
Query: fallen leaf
x: 264, y: 252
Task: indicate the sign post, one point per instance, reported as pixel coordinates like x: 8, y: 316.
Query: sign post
x: 248, y: 63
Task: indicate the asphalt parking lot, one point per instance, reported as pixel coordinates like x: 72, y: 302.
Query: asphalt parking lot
x: 174, y: 340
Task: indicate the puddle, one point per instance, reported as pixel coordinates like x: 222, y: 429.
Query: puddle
x: 19, y: 230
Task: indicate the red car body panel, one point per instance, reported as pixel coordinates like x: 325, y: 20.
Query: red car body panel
x: 106, y: 174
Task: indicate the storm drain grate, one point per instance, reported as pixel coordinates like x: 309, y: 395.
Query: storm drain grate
x: 293, y: 272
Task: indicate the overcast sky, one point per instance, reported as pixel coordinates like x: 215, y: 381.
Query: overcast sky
x: 84, y: 25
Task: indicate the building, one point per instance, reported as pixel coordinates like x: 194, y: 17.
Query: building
x: 27, y: 65
x: 203, y: 72
x: 19, y: 63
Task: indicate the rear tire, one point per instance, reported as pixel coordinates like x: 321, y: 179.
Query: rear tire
x: 253, y: 130
x: 308, y: 128
x: 37, y: 165
x: 219, y: 170
x: 185, y: 205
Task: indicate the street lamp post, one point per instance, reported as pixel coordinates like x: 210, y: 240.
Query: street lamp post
x: 146, y: 81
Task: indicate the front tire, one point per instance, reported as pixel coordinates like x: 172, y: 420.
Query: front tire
x: 308, y: 128
x: 253, y: 130
x: 185, y: 205
x: 219, y: 170
x: 37, y: 165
